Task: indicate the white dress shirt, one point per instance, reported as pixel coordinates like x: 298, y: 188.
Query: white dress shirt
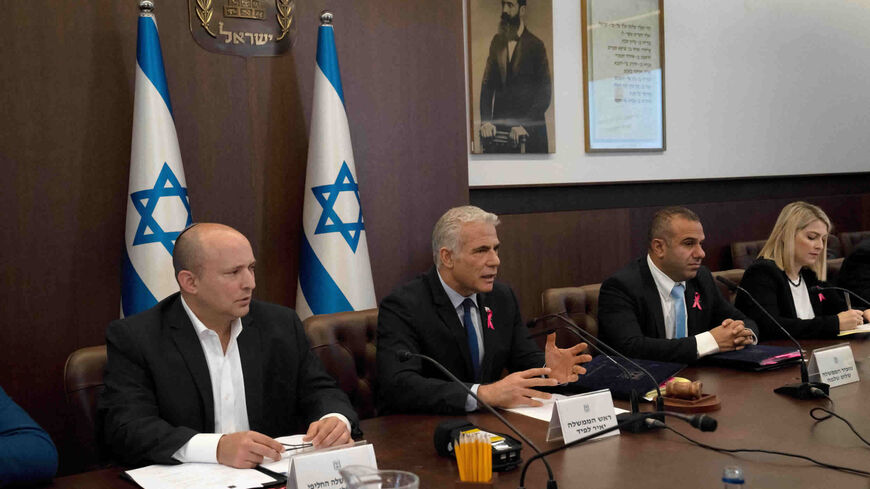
x: 457, y: 299
x: 801, y: 296
x: 228, y: 392
x: 705, y: 342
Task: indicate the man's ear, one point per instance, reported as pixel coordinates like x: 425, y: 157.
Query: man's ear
x: 657, y: 247
x: 446, y: 257
x: 187, y: 281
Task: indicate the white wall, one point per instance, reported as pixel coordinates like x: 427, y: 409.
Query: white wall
x: 752, y: 88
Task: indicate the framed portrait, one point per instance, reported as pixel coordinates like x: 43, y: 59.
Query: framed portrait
x: 623, y: 75
x: 510, y: 56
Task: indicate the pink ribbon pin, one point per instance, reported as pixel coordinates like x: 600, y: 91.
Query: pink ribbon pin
x: 697, y: 303
x: 821, y: 297
x: 489, y: 318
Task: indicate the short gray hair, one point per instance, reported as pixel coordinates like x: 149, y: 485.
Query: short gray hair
x: 446, y: 232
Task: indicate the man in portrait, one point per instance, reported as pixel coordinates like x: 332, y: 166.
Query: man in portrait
x: 516, y: 88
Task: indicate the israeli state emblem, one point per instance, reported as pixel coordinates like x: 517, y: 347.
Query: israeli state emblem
x: 243, y: 27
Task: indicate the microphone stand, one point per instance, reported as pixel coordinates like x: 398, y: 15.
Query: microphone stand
x: 804, y: 389
x: 571, y: 326
x: 406, y: 355
x: 817, y: 288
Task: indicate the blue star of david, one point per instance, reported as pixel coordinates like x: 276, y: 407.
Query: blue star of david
x: 329, y: 221
x: 145, y: 201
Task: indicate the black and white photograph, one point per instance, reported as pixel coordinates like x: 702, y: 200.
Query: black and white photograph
x: 511, y: 68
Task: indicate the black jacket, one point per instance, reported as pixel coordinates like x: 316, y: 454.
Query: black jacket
x: 769, y: 285
x: 419, y: 317
x: 158, y: 388
x: 630, y: 314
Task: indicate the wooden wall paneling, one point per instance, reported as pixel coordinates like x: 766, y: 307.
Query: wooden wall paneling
x: 278, y: 161
x: 541, y: 251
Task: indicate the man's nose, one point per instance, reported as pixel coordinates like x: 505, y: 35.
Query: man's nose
x: 250, y: 282
x: 494, y: 260
x: 699, y: 252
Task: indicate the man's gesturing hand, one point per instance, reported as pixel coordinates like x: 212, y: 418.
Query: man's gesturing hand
x: 565, y: 363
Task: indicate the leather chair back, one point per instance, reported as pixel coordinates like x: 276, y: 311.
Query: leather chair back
x: 743, y: 253
x: 346, y: 343
x: 735, y: 275
x: 850, y: 240
x: 83, y: 384
x: 581, y: 304
x: 834, y: 265
x: 835, y: 247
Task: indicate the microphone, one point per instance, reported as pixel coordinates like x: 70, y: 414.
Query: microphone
x: 405, y: 355
x: 571, y: 326
x: 803, y: 390
x: 700, y: 421
x: 816, y: 289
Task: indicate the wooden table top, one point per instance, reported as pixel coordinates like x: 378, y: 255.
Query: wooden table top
x: 751, y: 416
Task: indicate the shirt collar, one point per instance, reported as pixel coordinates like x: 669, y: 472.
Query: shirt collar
x: 201, y: 329
x: 521, y: 29
x: 455, y: 297
x: 663, y: 283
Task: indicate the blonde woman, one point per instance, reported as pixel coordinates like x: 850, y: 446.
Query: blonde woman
x: 792, y: 261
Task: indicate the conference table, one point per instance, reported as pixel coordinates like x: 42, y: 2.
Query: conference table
x: 751, y: 416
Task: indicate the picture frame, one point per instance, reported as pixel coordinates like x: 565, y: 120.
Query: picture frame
x: 623, y: 75
x: 511, y: 83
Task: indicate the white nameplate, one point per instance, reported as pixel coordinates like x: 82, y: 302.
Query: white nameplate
x: 319, y: 470
x: 582, y: 415
x: 833, y: 365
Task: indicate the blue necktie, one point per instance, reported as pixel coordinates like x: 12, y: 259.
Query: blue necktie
x: 471, y: 333
x: 678, y: 295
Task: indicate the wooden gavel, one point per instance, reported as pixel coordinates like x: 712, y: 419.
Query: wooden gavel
x: 684, y: 390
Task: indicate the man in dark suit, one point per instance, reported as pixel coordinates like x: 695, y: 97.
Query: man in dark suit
x: 516, y: 88
x: 210, y: 375
x: 457, y: 314
x: 665, y: 306
x: 855, y: 272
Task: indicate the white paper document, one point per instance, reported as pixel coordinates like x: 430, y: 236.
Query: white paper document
x: 544, y: 413
x: 864, y: 328
x: 201, y: 476
x: 215, y: 476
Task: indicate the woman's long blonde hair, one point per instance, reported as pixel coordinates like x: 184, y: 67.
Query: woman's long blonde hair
x: 780, y: 245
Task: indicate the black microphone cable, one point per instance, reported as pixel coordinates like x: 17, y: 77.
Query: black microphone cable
x: 829, y: 413
x: 839, y: 468
x: 699, y: 421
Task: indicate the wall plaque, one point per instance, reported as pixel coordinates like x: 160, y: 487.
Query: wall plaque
x: 243, y: 27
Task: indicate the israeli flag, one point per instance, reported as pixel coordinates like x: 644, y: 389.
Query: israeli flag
x: 334, y: 270
x: 157, y: 207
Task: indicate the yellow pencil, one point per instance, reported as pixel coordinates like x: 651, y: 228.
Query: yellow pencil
x: 487, y: 460
x: 457, y: 451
